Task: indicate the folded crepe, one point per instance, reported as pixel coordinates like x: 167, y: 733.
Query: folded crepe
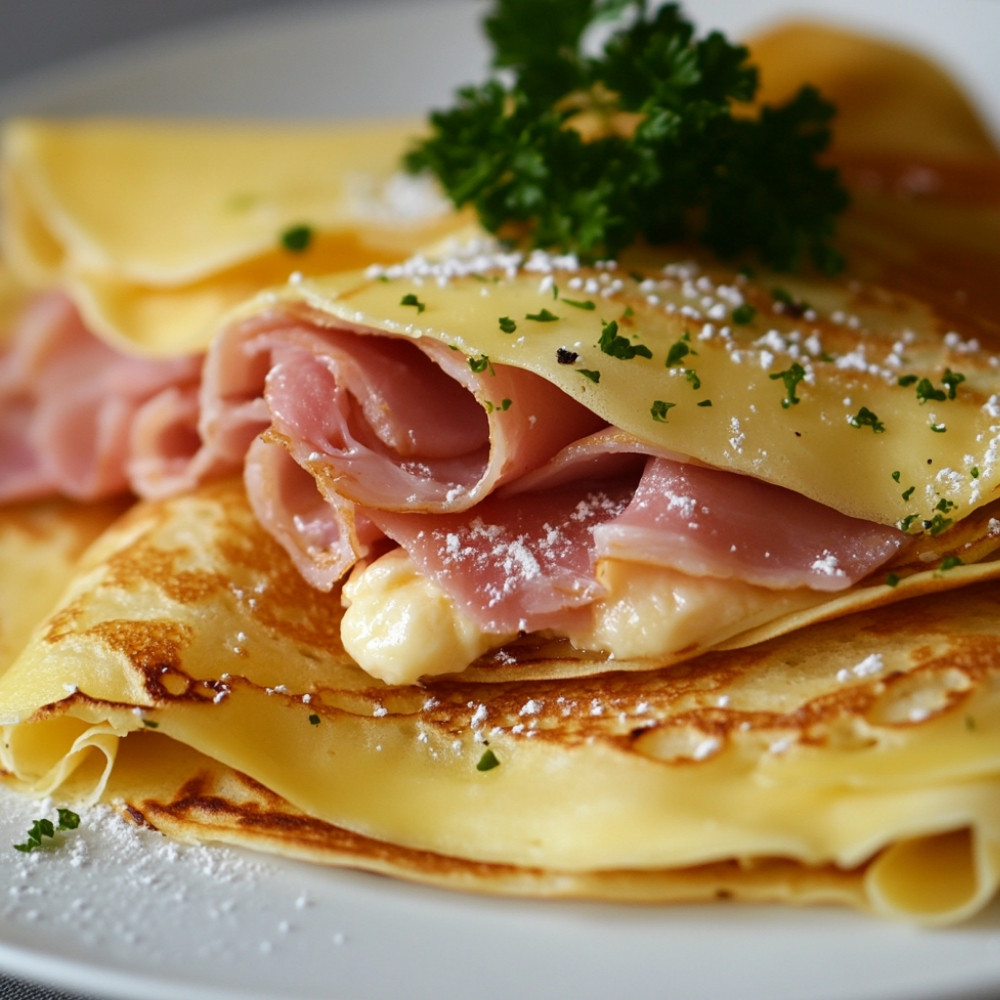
x: 696, y: 571
x: 190, y: 673
x: 156, y: 228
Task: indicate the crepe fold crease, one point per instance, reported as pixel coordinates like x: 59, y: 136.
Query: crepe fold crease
x: 855, y: 761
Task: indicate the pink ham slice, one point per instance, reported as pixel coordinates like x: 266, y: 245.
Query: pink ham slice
x: 707, y: 522
x: 403, y: 424
x: 520, y: 563
x: 69, y: 403
x: 377, y: 422
x: 525, y: 558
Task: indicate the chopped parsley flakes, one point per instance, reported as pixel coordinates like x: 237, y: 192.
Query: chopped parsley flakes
x: 866, y: 418
x: 615, y: 345
x: 791, y: 377
x: 297, y: 239
x: 659, y: 410
x: 542, y: 316
x: 44, y: 829
x: 411, y: 300
x: 679, y: 350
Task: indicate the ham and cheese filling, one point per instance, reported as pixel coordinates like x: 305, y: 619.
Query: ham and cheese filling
x: 474, y: 501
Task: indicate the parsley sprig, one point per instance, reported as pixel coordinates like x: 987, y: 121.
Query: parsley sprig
x: 664, y: 157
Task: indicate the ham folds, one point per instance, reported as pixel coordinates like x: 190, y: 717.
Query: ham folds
x: 645, y: 579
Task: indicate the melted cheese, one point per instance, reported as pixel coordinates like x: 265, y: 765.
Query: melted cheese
x: 656, y: 613
x: 400, y: 626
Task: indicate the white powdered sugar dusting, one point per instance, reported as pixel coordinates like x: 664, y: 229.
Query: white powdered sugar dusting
x: 111, y: 893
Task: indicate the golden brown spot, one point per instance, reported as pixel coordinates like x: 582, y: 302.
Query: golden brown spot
x: 153, y: 649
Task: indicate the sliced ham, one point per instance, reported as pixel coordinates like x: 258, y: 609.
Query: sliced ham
x: 498, y: 485
x: 376, y: 421
x: 525, y: 558
x: 520, y: 563
x: 325, y: 536
x: 707, y: 522
x: 69, y: 402
x: 404, y: 424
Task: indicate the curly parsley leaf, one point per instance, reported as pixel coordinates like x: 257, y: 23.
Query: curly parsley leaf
x: 663, y: 158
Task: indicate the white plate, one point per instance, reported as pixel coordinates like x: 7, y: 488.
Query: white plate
x: 131, y: 916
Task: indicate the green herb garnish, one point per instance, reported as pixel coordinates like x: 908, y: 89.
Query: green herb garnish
x: 297, y: 238
x: 590, y: 373
x: 664, y: 147
x: 314, y: 719
x: 542, y: 316
x: 679, y: 350
x: 791, y: 377
x: 926, y: 391
x: 937, y: 524
x: 659, y: 410
x: 411, y: 300
x: 507, y: 325
x: 744, y: 314
x: 866, y: 418
x: 617, y: 346
x: 481, y: 364
x: 951, y: 381
x: 45, y: 828
x: 488, y: 761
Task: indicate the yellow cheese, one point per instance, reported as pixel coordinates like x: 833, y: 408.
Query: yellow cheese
x: 399, y: 625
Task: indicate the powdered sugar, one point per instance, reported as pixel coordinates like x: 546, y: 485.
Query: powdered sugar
x: 111, y: 894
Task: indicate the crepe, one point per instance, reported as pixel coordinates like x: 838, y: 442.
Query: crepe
x: 854, y: 761
x: 157, y: 228
x: 844, y: 750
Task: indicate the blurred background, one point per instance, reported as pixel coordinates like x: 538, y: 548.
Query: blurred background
x: 38, y: 33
